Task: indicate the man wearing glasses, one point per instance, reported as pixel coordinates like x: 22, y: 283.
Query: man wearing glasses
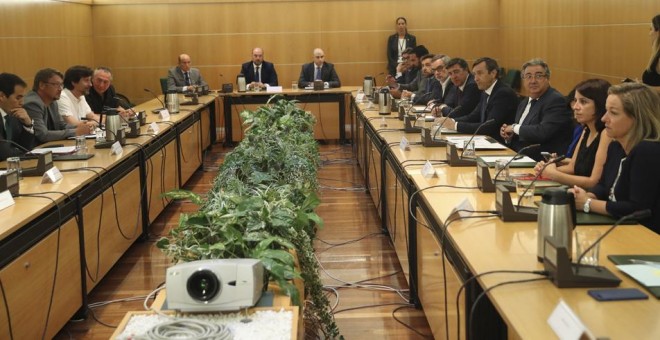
x: 41, y: 105
x: 543, y: 118
x: 440, y: 88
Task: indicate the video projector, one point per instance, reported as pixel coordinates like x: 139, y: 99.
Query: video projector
x: 214, y: 285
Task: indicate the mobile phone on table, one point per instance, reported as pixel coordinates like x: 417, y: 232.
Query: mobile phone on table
x: 617, y: 294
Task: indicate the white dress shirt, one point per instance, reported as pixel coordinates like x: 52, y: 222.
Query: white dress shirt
x: 69, y: 105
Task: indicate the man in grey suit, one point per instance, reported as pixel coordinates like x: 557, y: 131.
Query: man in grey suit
x: 41, y: 105
x: 544, y: 118
x: 183, y: 77
x: 15, y: 124
x: 318, y: 70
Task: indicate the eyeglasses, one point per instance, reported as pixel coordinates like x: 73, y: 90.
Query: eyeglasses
x: 537, y: 76
x: 439, y: 68
x: 57, y: 85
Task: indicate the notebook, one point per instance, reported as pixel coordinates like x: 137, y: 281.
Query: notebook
x: 623, y: 260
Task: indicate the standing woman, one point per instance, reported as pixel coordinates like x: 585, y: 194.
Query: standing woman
x: 586, y: 165
x: 629, y: 182
x: 651, y: 75
x: 398, y: 42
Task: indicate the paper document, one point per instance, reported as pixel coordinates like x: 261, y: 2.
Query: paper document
x: 480, y: 142
x: 59, y: 150
x: 647, y: 275
x: 493, y: 159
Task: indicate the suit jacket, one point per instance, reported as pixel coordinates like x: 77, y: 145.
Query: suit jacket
x: 467, y: 101
x: 437, y: 93
x: 328, y: 74
x: 393, y: 50
x: 268, y: 74
x: 38, y: 111
x: 176, y: 81
x: 425, y: 91
x: 500, y: 106
x: 18, y: 135
x: 549, y: 123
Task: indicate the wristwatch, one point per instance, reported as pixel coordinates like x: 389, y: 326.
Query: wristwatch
x: 587, y: 206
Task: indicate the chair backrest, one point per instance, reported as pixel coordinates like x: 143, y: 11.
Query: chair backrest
x: 163, y: 85
x: 512, y: 78
x: 124, y: 100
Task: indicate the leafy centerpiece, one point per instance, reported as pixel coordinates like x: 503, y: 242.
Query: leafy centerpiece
x: 262, y: 206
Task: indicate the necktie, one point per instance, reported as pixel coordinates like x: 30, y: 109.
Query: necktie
x: 484, y: 103
x: 256, y: 75
x: 3, y: 132
x: 528, y: 108
x: 459, y: 96
x: 318, y: 73
x: 186, y: 78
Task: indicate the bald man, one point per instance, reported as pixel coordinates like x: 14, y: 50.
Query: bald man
x: 258, y: 72
x: 184, y: 78
x: 318, y: 70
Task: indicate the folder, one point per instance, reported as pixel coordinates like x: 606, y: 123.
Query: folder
x: 625, y: 260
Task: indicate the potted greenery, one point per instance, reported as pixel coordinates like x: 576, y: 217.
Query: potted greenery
x: 262, y: 206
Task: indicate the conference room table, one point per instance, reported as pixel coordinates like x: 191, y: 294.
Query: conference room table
x: 440, y: 252
x: 59, y: 239
x: 329, y: 106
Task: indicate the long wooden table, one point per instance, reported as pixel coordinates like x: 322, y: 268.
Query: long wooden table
x: 330, y: 107
x: 56, y: 245
x: 436, y: 258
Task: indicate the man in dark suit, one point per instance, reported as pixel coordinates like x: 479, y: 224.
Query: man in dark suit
x: 41, y: 105
x: 440, y: 88
x: 318, y: 70
x: 183, y: 77
x: 414, y: 72
x: 259, y: 72
x: 543, y: 118
x: 498, y: 102
x: 423, y: 93
x: 16, y: 125
x: 463, y: 97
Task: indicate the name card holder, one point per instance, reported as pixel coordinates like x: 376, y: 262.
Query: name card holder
x: 51, y: 176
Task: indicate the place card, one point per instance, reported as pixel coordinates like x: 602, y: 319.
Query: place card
x: 116, y: 148
x: 404, y: 145
x: 53, y: 175
x: 6, y: 200
x: 566, y: 325
x: 428, y: 171
x: 164, y: 115
x: 153, y: 127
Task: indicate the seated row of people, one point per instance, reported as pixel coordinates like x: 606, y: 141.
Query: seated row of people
x: 258, y: 73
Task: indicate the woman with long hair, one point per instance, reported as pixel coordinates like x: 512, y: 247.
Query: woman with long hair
x: 397, y: 43
x: 651, y: 75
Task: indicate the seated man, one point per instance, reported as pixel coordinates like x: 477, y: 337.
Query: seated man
x: 41, y: 105
x: 259, y: 72
x: 183, y: 77
x: 415, y: 71
x: 318, y: 70
x: 424, y: 90
x: 498, y: 102
x: 72, y: 104
x: 543, y: 118
x: 15, y: 126
x: 442, y: 84
x: 102, y: 94
x: 404, y: 72
x: 464, y: 95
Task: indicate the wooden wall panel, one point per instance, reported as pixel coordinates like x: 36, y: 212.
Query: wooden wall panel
x: 34, y: 35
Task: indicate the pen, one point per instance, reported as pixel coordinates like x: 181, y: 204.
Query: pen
x: 648, y: 263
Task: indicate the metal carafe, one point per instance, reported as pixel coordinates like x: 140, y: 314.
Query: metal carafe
x: 556, y: 218
x: 112, y: 125
x: 384, y: 101
x: 240, y: 82
x: 368, y: 86
x: 172, y: 102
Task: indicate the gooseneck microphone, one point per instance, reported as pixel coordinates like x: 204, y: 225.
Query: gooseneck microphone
x: 552, y: 161
x: 637, y: 215
x: 21, y: 147
x: 516, y: 156
x: 155, y: 96
x: 456, y: 109
x: 486, y: 123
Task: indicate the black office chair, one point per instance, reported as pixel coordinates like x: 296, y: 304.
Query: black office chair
x: 163, y: 85
x: 512, y: 78
x: 123, y: 100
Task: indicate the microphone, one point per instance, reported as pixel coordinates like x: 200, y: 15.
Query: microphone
x: 21, y: 147
x: 157, y: 98
x: 446, y: 117
x: 423, y: 96
x: 552, y: 161
x: 486, y: 123
x: 637, y: 215
x: 516, y: 156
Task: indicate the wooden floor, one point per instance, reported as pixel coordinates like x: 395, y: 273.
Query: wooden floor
x: 351, y: 248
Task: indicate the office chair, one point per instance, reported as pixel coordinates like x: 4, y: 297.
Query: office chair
x: 163, y: 85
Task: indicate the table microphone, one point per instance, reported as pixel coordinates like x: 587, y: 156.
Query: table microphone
x: 21, y: 147
x: 518, y: 154
x: 486, y: 123
x: 155, y: 96
x: 637, y: 215
x: 447, y: 116
x: 552, y: 161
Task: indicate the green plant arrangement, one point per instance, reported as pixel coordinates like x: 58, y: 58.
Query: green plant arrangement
x: 262, y: 206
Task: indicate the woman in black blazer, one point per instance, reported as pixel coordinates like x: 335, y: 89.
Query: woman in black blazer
x: 398, y: 42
